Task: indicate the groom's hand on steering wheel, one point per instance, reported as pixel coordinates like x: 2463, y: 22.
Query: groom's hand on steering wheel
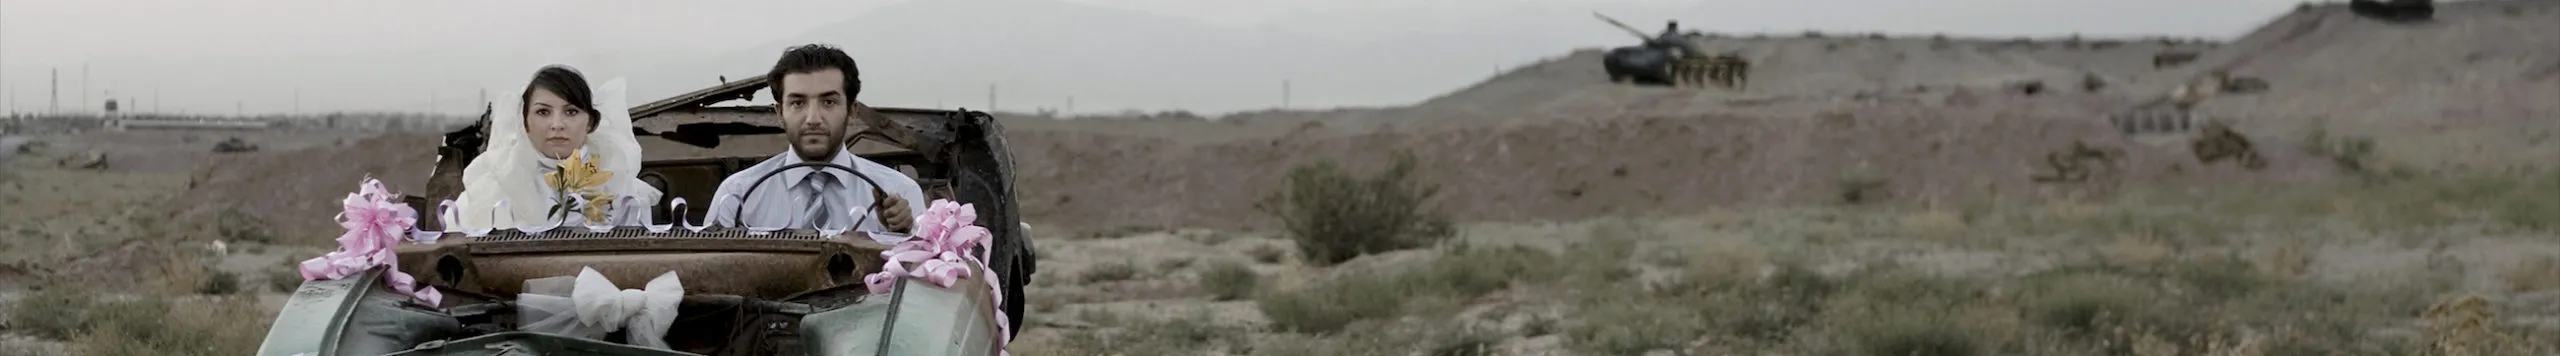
x: 893, y: 211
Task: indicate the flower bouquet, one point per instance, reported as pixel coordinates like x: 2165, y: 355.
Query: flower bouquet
x: 578, y: 186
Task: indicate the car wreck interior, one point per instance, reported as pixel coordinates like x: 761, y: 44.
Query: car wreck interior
x: 745, y: 293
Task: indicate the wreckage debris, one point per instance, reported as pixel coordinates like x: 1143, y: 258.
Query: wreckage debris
x: 2216, y: 142
x: 23, y: 145
x: 2244, y: 85
x: 2074, y: 164
x: 2394, y: 11
x: 89, y: 160
x: 234, y: 145
x: 2168, y: 59
x: 2028, y: 87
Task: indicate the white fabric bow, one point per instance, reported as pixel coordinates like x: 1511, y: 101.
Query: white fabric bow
x: 645, y: 312
x: 595, y: 307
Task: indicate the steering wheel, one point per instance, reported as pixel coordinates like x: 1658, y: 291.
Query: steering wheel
x: 740, y: 213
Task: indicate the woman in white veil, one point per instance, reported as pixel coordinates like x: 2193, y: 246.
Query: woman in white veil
x: 508, y: 185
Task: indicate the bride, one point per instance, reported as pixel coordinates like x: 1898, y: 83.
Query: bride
x: 562, y: 154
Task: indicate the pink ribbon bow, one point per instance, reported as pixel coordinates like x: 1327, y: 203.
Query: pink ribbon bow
x: 375, y: 223
x: 945, y: 245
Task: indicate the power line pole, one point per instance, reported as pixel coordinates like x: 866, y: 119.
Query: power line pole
x: 56, y: 97
x: 1284, y: 94
x: 991, y: 97
x: 84, y: 85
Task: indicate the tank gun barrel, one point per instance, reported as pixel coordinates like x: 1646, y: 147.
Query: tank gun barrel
x: 1623, y: 26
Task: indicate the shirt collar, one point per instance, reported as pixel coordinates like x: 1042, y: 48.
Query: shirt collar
x: 796, y: 177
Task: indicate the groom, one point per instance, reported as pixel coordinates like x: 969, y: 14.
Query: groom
x: 813, y: 89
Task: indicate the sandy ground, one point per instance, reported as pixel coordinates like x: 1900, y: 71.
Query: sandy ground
x: 1537, y: 155
x: 1170, y: 261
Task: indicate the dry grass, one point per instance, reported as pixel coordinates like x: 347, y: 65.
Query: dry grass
x: 185, y: 273
x: 1109, y: 272
x: 1228, y: 280
x: 2137, y: 277
x: 1934, y: 225
x: 1463, y: 274
x: 54, y: 313
x: 186, y: 326
x: 1267, y: 254
x: 2286, y: 258
x: 2465, y: 325
x: 116, y: 224
x: 2137, y: 251
x: 285, y: 277
x: 2538, y: 272
x: 1335, y: 216
x: 144, y: 324
x: 1185, y: 334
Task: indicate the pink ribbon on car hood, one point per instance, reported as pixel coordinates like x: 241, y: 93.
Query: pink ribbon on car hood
x: 945, y: 245
x: 375, y: 223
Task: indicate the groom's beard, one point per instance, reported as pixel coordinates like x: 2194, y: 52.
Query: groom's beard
x: 822, y: 151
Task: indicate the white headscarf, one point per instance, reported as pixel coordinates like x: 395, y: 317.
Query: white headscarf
x: 511, y: 170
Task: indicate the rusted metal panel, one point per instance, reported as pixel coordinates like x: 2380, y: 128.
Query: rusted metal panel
x: 730, y: 262
x: 742, y: 89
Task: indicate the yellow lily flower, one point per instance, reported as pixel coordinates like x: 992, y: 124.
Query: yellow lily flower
x: 577, y: 175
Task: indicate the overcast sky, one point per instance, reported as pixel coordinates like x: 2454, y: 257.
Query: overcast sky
x: 282, y: 56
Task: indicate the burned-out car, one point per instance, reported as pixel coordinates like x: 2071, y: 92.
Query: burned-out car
x: 788, y: 292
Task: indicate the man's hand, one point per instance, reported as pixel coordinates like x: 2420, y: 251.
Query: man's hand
x: 892, y: 211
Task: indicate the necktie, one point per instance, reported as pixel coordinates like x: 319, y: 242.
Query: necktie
x: 821, y: 211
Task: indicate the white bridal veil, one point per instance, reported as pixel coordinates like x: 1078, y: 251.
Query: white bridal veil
x: 511, y: 170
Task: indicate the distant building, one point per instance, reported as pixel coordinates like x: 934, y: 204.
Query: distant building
x: 113, y: 123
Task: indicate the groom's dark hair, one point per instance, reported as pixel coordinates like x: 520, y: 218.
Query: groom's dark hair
x: 569, y: 85
x: 811, y: 58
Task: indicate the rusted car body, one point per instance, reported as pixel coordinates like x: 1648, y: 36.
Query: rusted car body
x: 789, y: 292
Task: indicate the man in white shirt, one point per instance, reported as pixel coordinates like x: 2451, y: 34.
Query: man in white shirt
x: 813, y: 87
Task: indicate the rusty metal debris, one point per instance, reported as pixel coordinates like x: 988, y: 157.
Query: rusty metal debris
x: 234, y: 145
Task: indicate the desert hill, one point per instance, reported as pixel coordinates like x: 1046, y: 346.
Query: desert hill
x: 2478, y: 87
x: 1934, y: 121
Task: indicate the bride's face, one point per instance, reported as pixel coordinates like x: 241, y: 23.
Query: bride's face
x: 556, y: 128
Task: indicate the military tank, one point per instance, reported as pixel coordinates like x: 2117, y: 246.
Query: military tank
x: 1671, y: 59
x: 2394, y: 11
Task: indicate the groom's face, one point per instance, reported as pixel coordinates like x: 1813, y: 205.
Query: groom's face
x: 814, y: 108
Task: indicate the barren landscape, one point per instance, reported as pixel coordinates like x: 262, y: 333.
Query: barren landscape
x: 1864, y: 195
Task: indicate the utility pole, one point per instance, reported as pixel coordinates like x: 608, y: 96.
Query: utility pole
x: 84, y: 85
x: 991, y: 97
x: 56, y: 97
